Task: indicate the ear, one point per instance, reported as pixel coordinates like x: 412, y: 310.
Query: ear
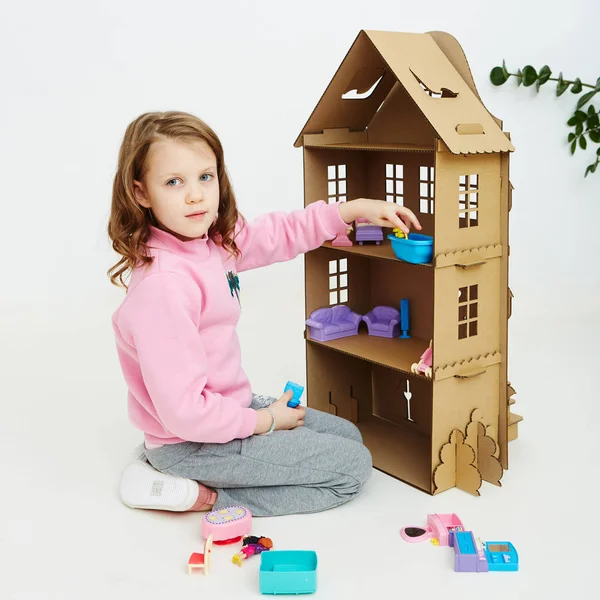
x: 140, y: 194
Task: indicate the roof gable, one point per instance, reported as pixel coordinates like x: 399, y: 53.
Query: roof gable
x: 449, y: 102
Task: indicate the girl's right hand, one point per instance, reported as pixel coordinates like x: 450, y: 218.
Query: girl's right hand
x: 285, y: 417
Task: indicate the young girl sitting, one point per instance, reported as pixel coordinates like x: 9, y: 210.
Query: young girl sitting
x: 209, y: 442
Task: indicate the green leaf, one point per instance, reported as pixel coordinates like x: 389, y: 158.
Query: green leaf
x: 598, y: 152
x: 594, y: 137
x: 591, y: 110
x: 497, y: 76
x: 561, y: 86
x: 576, y: 87
x: 529, y: 75
x: 583, y: 142
x: 588, y: 170
x: 579, y: 129
x: 573, y: 146
x: 544, y: 75
x: 573, y: 121
x: 586, y: 98
x: 598, y: 84
x: 593, y: 122
x: 581, y: 116
x: 504, y: 69
x: 571, y: 137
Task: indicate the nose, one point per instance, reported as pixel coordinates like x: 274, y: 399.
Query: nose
x: 194, y: 195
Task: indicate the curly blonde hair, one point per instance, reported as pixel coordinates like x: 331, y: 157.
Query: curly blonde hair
x: 129, y: 223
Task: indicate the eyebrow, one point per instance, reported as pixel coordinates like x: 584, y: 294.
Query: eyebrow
x: 175, y: 173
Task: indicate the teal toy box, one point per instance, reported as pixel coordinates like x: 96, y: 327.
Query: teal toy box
x: 288, y: 572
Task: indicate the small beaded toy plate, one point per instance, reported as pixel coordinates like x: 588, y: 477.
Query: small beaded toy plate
x: 227, y: 525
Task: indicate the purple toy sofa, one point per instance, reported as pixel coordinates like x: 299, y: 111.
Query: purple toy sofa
x: 383, y: 321
x: 333, y: 322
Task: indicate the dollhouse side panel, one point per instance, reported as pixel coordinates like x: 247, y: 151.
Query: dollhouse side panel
x: 466, y: 308
x: 467, y: 201
x: 454, y: 401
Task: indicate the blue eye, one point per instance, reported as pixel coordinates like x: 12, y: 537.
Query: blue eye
x: 168, y: 182
x: 206, y: 175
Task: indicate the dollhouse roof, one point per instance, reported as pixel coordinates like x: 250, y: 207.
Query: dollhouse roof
x: 432, y: 69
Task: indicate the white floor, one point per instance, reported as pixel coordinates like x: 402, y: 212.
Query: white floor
x: 64, y: 437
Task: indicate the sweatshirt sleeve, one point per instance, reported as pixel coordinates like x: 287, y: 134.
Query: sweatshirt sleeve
x: 277, y: 236
x: 160, y: 321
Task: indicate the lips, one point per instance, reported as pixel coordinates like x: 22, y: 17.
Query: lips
x: 196, y: 215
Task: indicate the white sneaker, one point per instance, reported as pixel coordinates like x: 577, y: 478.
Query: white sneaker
x: 142, y: 486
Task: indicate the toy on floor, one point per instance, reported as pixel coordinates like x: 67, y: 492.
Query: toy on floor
x: 425, y: 363
x: 202, y: 561
x: 288, y: 572
x: 297, y: 389
x: 252, y: 545
x: 227, y: 525
x: 471, y: 555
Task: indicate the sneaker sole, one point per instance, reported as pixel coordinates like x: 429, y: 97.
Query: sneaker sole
x: 142, y: 486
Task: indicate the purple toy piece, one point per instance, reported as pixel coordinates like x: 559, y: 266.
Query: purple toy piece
x: 366, y: 232
x: 383, y: 321
x: 467, y: 558
x: 333, y: 322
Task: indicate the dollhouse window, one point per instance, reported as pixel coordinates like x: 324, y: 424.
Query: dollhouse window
x: 336, y: 184
x: 467, y: 311
x: 394, y: 184
x: 338, y: 281
x: 468, y: 201
x: 426, y: 190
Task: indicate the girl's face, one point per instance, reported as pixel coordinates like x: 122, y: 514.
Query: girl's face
x: 180, y: 186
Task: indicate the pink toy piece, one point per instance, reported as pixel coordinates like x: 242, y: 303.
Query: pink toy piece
x: 227, y: 525
x: 202, y: 561
x: 439, y: 526
x: 383, y: 321
x: 333, y: 322
x: 425, y: 363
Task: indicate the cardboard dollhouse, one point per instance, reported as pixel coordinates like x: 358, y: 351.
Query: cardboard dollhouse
x: 402, y: 120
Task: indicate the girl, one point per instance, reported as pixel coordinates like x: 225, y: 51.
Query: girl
x: 209, y: 442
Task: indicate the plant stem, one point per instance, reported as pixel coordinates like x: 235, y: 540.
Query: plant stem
x: 555, y: 79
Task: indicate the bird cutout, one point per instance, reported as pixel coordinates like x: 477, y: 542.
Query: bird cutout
x: 456, y: 468
x: 234, y: 284
x: 484, y: 447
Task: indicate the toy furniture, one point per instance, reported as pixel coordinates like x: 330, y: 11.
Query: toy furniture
x: 227, y: 525
x: 288, y: 572
x: 416, y: 249
x: 331, y: 323
x: 402, y: 121
x: 383, y: 321
x: 470, y: 553
x: 202, y: 561
x: 439, y: 526
x: 342, y: 239
x: 404, y: 319
x: 367, y: 232
x: 297, y: 393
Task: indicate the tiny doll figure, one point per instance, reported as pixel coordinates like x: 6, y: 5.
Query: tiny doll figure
x: 251, y: 545
x: 425, y: 363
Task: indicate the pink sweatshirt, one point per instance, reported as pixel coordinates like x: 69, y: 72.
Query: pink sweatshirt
x: 176, y: 328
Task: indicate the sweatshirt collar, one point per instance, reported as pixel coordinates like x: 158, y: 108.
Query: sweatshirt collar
x: 164, y: 240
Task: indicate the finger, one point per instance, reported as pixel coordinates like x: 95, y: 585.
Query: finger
x: 410, y: 216
x: 300, y: 423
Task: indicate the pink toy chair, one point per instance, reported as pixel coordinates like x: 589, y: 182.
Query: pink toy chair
x: 202, y: 561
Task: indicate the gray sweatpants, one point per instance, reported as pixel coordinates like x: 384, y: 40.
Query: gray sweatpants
x: 303, y: 470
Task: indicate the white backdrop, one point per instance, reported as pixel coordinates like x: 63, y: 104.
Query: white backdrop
x: 75, y: 74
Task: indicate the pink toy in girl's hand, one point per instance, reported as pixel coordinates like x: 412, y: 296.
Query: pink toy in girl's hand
x: 227, y: 525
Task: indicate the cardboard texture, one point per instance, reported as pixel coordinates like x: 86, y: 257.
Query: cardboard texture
x: 402, y: 121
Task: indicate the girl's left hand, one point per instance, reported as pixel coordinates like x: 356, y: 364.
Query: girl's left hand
x: 379, y: 212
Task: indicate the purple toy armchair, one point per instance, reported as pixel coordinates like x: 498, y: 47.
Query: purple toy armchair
x: 383, y: 321
x: 334, y: 322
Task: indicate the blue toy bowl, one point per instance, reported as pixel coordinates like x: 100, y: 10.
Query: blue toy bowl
x: 288, y: 572
x: 417, y: 249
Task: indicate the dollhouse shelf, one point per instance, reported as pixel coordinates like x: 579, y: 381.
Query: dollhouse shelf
x: 395, y: 353
x: 411, y: 459
x: 384, y: 250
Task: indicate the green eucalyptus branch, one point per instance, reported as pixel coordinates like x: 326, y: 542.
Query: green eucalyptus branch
x: 585, y: 123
